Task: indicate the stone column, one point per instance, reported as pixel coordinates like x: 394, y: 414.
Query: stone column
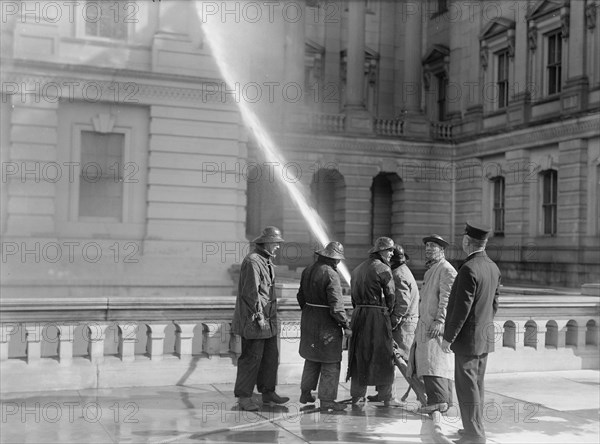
x: 358, y: 119
x: 575, y: 93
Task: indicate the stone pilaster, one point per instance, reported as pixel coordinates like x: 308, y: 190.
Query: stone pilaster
x: 572, y: 189
x: 358, y: 119
x: 575, y: 92
x: 415, y: 123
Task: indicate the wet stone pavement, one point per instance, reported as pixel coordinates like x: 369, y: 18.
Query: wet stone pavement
x: 548, y: 407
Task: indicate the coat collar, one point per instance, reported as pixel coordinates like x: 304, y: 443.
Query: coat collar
x: 475, y: 254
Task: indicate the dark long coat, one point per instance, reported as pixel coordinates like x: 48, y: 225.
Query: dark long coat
x: 370, y: 350
x: 256, y: 295
x: 321, y: 327
x: 472, y: 306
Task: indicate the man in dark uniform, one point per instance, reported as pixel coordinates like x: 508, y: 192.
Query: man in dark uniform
x: 469, y: 329
x: 255, y: 320
x: 323, y: 319
x: 370, y: 352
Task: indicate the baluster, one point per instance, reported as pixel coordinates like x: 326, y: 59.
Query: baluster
x: 33, y: 335
x: 562, y: 334
x: 184, y: 335
x: 96, y: 336
x: 65, y: 343
x: 127, y: 340
x: 6, y: 331
x: 212, y: 340
x: 156, y: 341
x: 541, y: 333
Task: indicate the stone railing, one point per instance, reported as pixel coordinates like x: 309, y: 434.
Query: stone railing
x: 330, y: 123
x: 118, y: 342
x: 441, y: 130
x: 389, y: 127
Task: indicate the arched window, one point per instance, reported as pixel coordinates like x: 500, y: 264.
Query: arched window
x: 328, y: 192
x: 385, y: 206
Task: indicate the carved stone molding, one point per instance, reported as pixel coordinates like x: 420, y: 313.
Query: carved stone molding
x: 564, y: 22
x: 510, y: 40
x: 532, y: 137
x: 532, y: 36
x: 103, y: 123
x: 126, y: 92
x: 591, y: 14
x: 483, y: 56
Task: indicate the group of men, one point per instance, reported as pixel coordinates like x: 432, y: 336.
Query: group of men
x: 452, y: 313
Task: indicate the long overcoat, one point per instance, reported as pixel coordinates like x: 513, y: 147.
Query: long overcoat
x: 429, y: 357
x: 406, y: 307
x: 323, y: 314
x: 472, y: 305
x: 370, y: 350
x: 255, y: 296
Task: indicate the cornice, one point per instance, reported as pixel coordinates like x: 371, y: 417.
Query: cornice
x: 530, y: 137
x: 134, y: 86
x: 364, y: 146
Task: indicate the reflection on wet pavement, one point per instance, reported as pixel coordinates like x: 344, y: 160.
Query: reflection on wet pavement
x: 550, y: 407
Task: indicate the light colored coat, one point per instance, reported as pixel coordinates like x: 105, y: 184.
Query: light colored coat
x: 429, y: 357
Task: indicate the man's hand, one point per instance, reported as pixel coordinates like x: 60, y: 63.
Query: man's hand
x: 446, y: 346
x: 262, y: 322
x: 395, y: 322
x: 436, y: 329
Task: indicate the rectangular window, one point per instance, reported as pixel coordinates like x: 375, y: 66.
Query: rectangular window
x: 442, y: 82
x: 101, y: 178
x: 105, y: 19
x: 549, y: 201
x: 554, y: 66
x: 502, y: 79
x: 498, y: 209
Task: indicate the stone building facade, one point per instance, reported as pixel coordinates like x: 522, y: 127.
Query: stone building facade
x: 128, y: 168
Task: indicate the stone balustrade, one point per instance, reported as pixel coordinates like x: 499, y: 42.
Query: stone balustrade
x: 389, y: 127
x: 441, y: 130
x: 75, y: 344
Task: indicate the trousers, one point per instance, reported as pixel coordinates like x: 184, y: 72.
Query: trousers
x: 326, y: 374
x: 469, y: 373
x: 257, y: 366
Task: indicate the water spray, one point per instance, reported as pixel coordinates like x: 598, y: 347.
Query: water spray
x: 267, y: 145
